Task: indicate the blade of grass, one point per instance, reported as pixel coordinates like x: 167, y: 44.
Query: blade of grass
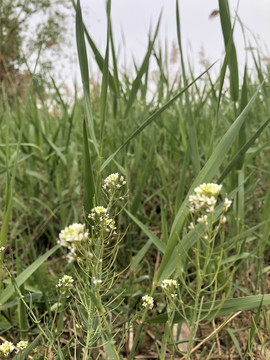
x: 82, y: 55
x: 115, y: 66
x: 88, y: 178
x: 194, y: 152
x: 98, y: 57
x: 227, y: 32
x: 253, y: 328
x: 235, y: 341
x: 154, y: 239
x: 137, y: 82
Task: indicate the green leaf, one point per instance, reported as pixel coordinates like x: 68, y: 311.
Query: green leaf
x: 194, y: 152
x: 137, y: 82
x: 88, y: 178
x: 82, y: 55
x: 154, y: 239
x: 227, y: 32
x: 21, y: 279
x: 229, y: 306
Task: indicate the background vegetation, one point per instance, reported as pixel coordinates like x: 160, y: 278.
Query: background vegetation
x: 166, y: 142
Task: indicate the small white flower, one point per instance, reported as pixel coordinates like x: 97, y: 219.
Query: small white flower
x: 211, y: 201
x: 211, y: 209
x: 202, y: 219
x: 6, y: 348
x: 191, y: 226
x: 22, y: 344
x: 223, y: 219
x: 148, y: 301
x: 2, y: 248
x: 227, y: 204
x: 96, y: 281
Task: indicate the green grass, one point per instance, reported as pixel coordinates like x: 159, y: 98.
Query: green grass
x: 190, y: 130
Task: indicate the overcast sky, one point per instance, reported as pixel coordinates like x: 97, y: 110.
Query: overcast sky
x: 131, y: 20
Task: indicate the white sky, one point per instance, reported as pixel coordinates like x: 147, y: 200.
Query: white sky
x: 131, y: 19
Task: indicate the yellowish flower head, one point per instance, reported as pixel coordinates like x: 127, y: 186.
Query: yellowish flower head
x: 209, y: 189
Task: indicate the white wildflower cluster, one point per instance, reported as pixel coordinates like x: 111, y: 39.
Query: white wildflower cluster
x: 71, y: 235
x: 203, y: 202
x: 169, y: 286
x: 148, y: 301
x: 65, y: 283
x: 205, y: 197
x: 113, y: 183
x: 6, y: 348
x: 101, y: 221
x: 2, y: 248
x: 22, y: 344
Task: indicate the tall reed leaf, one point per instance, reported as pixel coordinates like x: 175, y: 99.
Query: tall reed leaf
x: 227, y: 33
x: 137, y: 82
x: 194, y: 152
x: 88, y: 178
x: 104, y: 84
x: 83, y: 61
x: 9, y: 184
x: 98, y: 57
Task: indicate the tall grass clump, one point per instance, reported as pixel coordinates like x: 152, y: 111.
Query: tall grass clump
x: 136, y: 222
